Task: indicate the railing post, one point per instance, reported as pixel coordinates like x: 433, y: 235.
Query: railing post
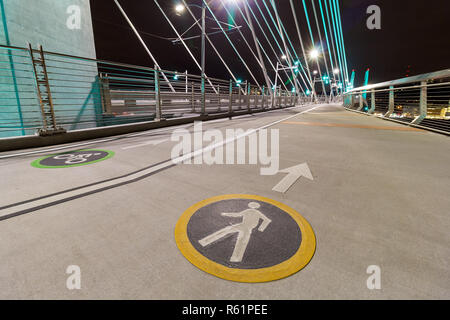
x: 203, y: 102
x: 106, y: 93
x: 230, y: 102
x: 220, y: 102
x: 276, y: 98
x: 273, y: 97
x: 255, y: 99
x: 249, y: 90
x: 280, y: 97
x: 263, y: 97
x: 157, y: 95
x: 423, y: 104
x: 239, y: 97
x: 391, y: 102
x: 372, y: 102
x: 192, y: 98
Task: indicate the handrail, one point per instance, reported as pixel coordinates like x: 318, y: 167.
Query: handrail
x: 426, y: 76
x: 418, y: 100
x: 89, y: 93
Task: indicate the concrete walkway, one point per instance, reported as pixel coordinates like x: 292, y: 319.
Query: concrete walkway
x: 380, y: 196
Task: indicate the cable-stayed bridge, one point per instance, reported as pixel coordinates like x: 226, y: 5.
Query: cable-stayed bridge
x: 160, y: 184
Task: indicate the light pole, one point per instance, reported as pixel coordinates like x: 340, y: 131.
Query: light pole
x: 314, y: 54
x: 336, y: 75
x: 203, y: 57
x: 179, y: 9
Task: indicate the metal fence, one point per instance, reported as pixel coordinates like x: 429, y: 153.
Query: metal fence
x: 50, y: 93
x: 422, y: 100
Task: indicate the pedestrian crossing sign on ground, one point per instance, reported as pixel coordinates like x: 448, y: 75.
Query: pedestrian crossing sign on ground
x: 245, y: 238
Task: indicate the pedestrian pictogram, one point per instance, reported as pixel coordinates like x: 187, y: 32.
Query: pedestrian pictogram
x: 245, y: 238
x: 250, y: 220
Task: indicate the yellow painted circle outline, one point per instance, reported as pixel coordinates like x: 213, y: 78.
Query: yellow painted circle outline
x: 297, y: 262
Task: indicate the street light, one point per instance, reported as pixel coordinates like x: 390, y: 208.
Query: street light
x: 284, y: 57
x: 314, y: 54
x: 336, y: 71
x: 179, y: 9
x: 315, y: 72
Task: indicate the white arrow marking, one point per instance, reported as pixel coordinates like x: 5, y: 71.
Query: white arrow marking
x: 294, y: 173
x: 153, y: 143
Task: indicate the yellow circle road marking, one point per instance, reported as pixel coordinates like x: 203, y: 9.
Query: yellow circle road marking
x: 282, y: 270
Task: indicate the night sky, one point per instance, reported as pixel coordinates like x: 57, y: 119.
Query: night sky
x: 414, y: 37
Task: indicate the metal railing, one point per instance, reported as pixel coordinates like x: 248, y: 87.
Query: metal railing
x: 422, y: 100
x: 50, y: 93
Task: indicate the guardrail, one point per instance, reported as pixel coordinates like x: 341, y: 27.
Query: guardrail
x: 51, y: 93
x: 420, y: 101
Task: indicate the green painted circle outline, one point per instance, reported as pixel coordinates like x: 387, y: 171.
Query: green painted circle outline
x: 37, y: 164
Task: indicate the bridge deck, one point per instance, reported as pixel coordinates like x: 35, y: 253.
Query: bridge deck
x: 379, y: 197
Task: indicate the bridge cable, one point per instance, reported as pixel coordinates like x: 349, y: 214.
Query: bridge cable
x: 232, y: 45
x: 143, y: 43
x: 184, y: 44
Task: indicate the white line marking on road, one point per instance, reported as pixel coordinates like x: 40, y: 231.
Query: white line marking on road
x: 148, y: 143
x: 91, y: 142
x: 161, y: 166
x: 120, y: 137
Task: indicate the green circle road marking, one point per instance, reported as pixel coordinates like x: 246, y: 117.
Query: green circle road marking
x: 245, y: 238
x: 72, y: 159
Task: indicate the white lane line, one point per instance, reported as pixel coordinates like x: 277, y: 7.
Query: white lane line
x: 148, y: 143
x: 91, y: 142
x: 66, y: 196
